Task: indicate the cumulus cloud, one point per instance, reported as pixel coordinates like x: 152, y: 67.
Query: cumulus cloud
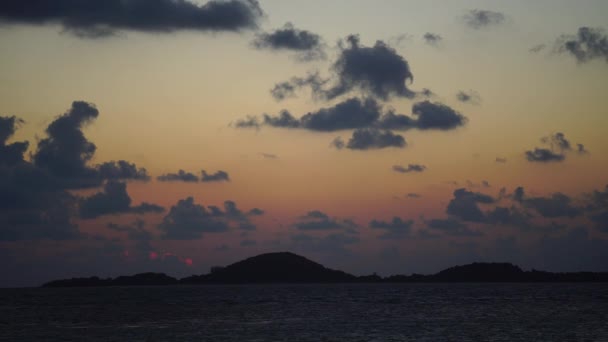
x: 356, y: 113
x: 586, y: 45
x: 434, y: 115
x: 470, y: 96
x: 377, y: 71
x: 307, y: 45
x: 409, y: 168
x: 557, y: 148
x: 122, y: 169
x: 114, y: 199
x: 432, y: 38
x: 219, y: 176
x: 103, y: 18
x: 465, y: 206
x: 65, y: 151
x: 189, y: 221
x: 397, y: 228
x: 479, y: 19
x: 371, y: 139
x: 181, y: 176
x: 11, y: 154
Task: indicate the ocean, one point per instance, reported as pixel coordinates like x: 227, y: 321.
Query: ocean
x: 336, y: 312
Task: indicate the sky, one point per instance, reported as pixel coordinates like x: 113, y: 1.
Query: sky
x: 390, y: 136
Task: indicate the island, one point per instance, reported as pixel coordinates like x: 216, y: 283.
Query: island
x: 286, y: 267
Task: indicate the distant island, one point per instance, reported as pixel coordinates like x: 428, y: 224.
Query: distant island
x: 285, y: 267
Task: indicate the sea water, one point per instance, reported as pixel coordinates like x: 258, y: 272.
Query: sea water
x: 336, y: 312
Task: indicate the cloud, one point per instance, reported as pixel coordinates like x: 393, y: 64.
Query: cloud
x: 544, y: 155
x: 371, y: 138
x: 355, y: 113
x: 432, y: 38
x: 395, y: 229
x: 413, y: 195
x: 409, y: 168
x: 269, y: 155
x: 557, y: 145
x: 11, y: 154
x: 65, y: 152
x: 586, y: 45
x: 189, y: 221
x: 113, y: 200
x: 377, y: 71
x: 219, y: 176
x: 122, y: 170
x: 307, y: 45
x: 465, y: 206
x: 479, y: 19
x: 103, y: 18
x: 470, y: 96
x: 452, y: 227
x: 501, y: 160
x: 317, y: 220
x: 558, y: 205
x: 434, y: 115
x: 181, y: 176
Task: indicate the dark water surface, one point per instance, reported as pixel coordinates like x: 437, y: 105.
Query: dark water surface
x: 374, y: 312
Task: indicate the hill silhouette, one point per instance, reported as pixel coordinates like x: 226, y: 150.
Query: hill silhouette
x: 286, y: 267
x: 283, y: 267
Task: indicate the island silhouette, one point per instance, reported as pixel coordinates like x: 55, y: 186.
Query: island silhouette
x: 286, y: 267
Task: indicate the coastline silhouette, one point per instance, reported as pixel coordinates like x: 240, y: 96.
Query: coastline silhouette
x: 286, y: 267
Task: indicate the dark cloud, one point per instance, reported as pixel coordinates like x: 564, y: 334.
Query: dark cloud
x: 470, y: 96
x: 452, y: 227
x: 371, y: 138
x: 11, y: 154
x: 349, y: 114
x: 557, y: 147
x: 378, y: 71
x: 181, y: 176
x: 102, y: 18
x: 478, y: 19
x: 122, y: 170
x: 248, y: 122
x: 432, y: 38
x: 580, y: 149
x: 433, y: 115
x: 586, y: 45
x: 113, y: 200
x: 395, y: 229
x: 544, y: 155
x: 219, y: 176
x: 307, y: 45
x: 409, y: 168
x: 355, y: 113
x: 558, y: 205
x: 465, y: 206
x: 318, y: 220
x: 189, y: 221
x: 66, y: 151
x: 287, y: 89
